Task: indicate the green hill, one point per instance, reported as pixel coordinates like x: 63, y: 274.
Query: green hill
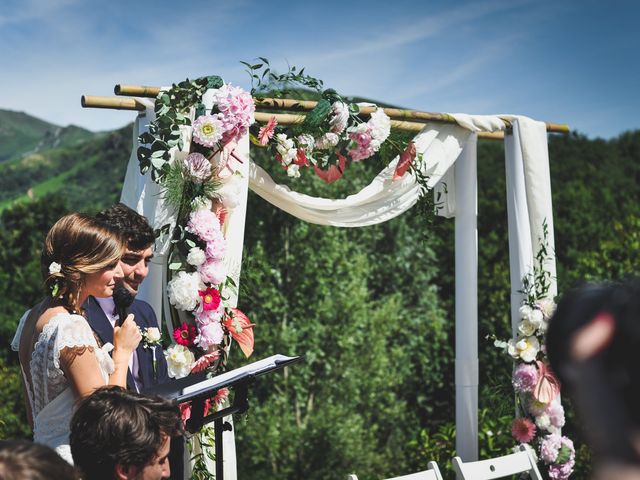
x: 21, y: 134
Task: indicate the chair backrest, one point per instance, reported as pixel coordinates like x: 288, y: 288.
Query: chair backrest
x: 432, y: 473
x: 500, y: 467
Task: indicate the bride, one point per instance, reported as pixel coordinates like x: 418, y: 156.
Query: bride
x: 60, y: 358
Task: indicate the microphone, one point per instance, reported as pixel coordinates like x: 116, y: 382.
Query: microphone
x: 123, y: 299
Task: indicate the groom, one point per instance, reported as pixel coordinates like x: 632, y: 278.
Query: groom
x: 148, y: 366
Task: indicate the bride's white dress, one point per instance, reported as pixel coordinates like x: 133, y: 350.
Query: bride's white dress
x: 50, y: 394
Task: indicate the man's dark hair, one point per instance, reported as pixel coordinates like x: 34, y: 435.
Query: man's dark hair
x: 22, y: 460
x: 114, y: 426
x: 133, y: 227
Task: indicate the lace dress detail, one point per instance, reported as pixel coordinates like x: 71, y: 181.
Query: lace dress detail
x: 51, y: 398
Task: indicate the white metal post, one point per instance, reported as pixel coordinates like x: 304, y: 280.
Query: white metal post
x: 466, y: 301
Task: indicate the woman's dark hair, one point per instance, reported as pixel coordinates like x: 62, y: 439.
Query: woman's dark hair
x: 133, y: 227
x: 22, y: 460
x: 114, y: 426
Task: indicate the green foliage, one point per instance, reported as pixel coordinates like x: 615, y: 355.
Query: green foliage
x: 13, y: 420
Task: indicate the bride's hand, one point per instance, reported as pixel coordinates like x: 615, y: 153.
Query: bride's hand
x: 128, y: 336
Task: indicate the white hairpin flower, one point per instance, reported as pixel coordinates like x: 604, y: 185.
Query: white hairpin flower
x: 54, y: 268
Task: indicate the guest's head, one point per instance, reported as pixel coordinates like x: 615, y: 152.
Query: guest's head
x: 139, y: 237
x: 116, y: 434
x: 593, y: 344
x: 81, y: 257
x: 22, y: 460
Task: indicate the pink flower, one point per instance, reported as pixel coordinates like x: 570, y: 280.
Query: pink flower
x: 203, y: 223
x: 549, y: 448
x: 205, y: 317
x: 525, y: 377
x: 562, y: 471
x: 236, y: 109
x: 210, y: 299
x: 560, y: 454
x: 213, y: 271
x: 207, y: 130
x: 216, y: 247
x: 361, y: 146
x: 210, y: 334
x: 340, y: 117
x: 266, y: 132
x: 523, y: 430
x: 185, y: 334
x: 556, y: 414
x: 197, y: 167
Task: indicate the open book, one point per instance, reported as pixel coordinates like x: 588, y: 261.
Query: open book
x: 188, y: 388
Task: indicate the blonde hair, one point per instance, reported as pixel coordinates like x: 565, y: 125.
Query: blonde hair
x: 81, y: 245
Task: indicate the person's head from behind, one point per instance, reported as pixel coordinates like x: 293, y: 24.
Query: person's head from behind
x: 593, y: 342
x: 80, y: 256
x: 139, y: 238
x: 22, y: 460
x: 116, y: 434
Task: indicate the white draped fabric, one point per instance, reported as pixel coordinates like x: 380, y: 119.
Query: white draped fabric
x: 528, y: 199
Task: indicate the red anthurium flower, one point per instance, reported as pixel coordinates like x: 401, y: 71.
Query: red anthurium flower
x: 185, y: 334
x: 241, y: 329
x: 334, y: 172
x: 210, y: 298
x: 405, y: 161
x: 301, y: 158
x: 204, y: 361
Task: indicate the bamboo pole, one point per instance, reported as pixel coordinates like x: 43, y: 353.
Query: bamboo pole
x: 93, y: 101
x: 306, y: 105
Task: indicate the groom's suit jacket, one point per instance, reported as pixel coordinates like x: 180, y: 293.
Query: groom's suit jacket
x: 145, y: 318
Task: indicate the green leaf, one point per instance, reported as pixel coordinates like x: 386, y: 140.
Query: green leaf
x: 316, y: 116
x: 175, y: 266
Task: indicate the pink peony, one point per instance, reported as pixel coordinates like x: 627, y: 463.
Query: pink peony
x: 525, y: 377
x: 205, y: 317
x: 266, y: 132
x: 210, y: 334
x: 213, y: 271
x: 197, y: 167
x: 523, y: 430
x: 361, y: 146
x: 562, y: 471
x: 556, y: 414
x: 207, y: 130
x: 549, y: 448
x: 236, y: 111
x: 216, y: 247
x: 203, y: 223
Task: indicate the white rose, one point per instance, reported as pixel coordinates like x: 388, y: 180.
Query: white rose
x: 183, y: 290
x: 532, y: 315
x: 179, y: 361
x: 153, y: 334
x: 526, y: 328
x: 547, y: 307
x: 196, y: 257
x: 380, y: 124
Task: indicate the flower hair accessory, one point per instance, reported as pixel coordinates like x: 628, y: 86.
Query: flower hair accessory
x: 54, y: 267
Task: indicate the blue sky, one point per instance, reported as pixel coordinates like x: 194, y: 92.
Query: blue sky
x: 572, y: 62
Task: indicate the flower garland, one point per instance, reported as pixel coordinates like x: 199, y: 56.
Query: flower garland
x: 202, y: 185
x: 541, y: 415
x: 332, y: 135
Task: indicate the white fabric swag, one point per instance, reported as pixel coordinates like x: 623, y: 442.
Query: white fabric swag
x: 442, y: 145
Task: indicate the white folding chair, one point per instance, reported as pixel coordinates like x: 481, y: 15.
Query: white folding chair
x: 432, y: 473
x: 500, y: 467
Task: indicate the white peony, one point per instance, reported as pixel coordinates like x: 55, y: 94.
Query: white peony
x: 183, y: 290
x: 526, y: 348
x: 543, y: 422
x: 380, y: 125
x: 547, y: 307
x: 532, y: 315
x: 327, y: 141
x: 196, y: 257
x: 179, y: 361
x: 307, y: 142
x: 230, y: 192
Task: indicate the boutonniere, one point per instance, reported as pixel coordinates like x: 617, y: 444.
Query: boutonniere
x: 151, y: 338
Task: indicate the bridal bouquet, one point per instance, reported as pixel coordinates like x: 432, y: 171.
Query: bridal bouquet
x: 189, y: 150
